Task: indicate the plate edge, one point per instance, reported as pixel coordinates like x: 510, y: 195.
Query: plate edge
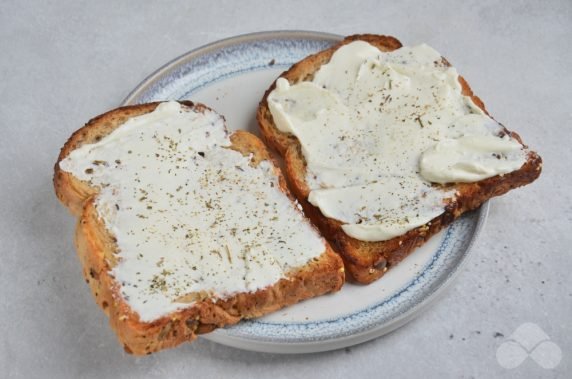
x: 203, y: 49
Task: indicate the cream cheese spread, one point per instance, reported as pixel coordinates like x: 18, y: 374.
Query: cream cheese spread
x: 192, y: 217
x: 379, y: 129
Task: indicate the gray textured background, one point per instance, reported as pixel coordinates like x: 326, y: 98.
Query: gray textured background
x: 64, y: 62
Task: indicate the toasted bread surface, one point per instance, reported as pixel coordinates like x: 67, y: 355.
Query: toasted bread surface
x: 367, y: 261
x: 96, y: 247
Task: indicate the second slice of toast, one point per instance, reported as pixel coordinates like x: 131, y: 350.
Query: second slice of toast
x: 367, y: 260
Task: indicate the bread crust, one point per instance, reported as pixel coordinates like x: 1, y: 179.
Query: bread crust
x: 367, y: 261
x: 96, y: 248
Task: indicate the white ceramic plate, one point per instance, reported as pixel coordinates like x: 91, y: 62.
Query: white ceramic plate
x: 231, y: 76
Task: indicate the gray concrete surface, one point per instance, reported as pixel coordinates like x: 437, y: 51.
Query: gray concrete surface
x: 62, y: 62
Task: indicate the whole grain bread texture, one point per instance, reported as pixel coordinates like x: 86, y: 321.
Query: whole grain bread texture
x: 96, y: 247
x: 366, y: 262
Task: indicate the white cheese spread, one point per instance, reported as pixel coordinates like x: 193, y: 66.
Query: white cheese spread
x: 378, y: 129
x: 192, y: 218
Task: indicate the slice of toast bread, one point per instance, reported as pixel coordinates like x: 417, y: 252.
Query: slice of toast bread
x: 97, y: 249
x: 368, y: 261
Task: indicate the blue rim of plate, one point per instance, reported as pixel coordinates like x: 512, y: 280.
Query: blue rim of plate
x: 210, y: 63
x: 217, y: 61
